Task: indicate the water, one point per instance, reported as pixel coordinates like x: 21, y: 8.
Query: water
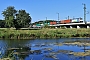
x: 50, y: 49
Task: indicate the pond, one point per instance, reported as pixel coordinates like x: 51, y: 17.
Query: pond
x: 46, y: 49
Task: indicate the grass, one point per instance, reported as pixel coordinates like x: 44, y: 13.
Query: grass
x: 43, y: 33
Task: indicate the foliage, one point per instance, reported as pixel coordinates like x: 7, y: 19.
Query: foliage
x: 9, y: 14
x: 2, y: 23
x: 16, y: 18
x: 23, y: 19
x: 46, y: 26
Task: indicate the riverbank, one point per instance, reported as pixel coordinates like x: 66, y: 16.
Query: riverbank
x: 44, y: 33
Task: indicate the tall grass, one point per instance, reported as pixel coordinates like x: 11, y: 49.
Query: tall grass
x: 43, y: 33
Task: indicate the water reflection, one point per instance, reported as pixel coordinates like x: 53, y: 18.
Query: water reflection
x: 3, y: 47
x: 46, y: 49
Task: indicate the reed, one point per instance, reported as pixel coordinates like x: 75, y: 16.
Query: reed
x: 43, y: 33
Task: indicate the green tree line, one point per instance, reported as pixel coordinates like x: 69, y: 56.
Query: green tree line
x: 15, y: 18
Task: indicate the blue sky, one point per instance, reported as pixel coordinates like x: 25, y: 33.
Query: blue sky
x: 40, y: 9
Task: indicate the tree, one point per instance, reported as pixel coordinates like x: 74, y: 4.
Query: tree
x: 9, y: 14
x: 23, y: 19
x: 17, y: 19
x: 2, y: 23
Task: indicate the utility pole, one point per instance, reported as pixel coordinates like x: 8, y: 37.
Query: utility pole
x: 46, y: 18
x: 58, y: 16
x: 68, y: 17
x: 84, y: 13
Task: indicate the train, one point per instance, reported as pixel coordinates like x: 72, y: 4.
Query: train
x: 74, y: 20
x: 66, y: 21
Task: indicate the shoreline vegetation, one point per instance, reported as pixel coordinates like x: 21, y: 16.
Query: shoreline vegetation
x: 10, y: 33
